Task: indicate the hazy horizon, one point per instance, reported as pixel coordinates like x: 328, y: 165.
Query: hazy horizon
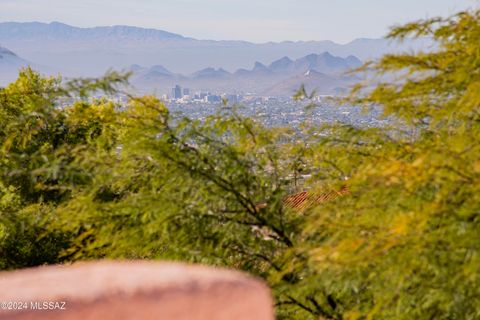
x: 269, y: 21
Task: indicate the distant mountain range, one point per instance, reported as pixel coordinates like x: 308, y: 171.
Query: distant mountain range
x: 91, y: 51
x: 63, y: 32
x: 323, y: 72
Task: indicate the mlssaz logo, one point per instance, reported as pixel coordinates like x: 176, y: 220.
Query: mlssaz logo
x: 48, y: 305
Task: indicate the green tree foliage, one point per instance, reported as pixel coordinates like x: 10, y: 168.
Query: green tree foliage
x: 405, y: 243
x: 37, y: 163
x: 84, y: 178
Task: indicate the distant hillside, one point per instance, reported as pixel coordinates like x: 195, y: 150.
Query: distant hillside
x: 10, y: 63
x: 211, y: 73
x: 313, y: 80
x: 91, y: 51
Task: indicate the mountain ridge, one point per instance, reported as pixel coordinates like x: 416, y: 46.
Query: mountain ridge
x: 315, y: 69
x: 92, y: 51
x: 61, y: 28
x: 58, y: 29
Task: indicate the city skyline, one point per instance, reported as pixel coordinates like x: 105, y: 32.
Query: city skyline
x: 280, y: 20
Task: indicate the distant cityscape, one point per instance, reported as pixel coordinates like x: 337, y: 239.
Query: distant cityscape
x: 263, y: 91
x: 271, y: 111
x: 185, y: 95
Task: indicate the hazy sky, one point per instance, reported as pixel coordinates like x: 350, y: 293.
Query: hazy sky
x: 253, y: 20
